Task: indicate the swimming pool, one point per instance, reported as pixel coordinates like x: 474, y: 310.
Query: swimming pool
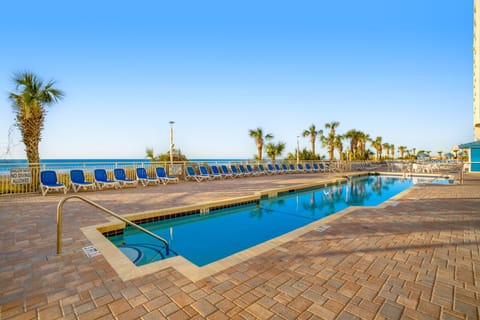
x: 205, y: 238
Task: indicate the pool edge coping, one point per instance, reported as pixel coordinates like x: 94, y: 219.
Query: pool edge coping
x: 127, y: 270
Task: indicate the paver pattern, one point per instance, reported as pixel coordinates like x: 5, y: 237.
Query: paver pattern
x: 416, y: 259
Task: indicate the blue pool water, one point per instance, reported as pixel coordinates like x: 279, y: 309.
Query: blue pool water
x: 203, y: 239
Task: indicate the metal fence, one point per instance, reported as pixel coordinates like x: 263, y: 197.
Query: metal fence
x: 11, y: 182
x: 17, y: 179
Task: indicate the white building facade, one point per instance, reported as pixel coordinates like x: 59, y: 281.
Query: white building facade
x: 476, y: 69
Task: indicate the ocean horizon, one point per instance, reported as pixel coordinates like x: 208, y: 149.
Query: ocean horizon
x: 7, y: 164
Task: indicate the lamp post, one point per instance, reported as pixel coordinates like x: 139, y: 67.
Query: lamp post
x: 171, y: 143
x: 298, y: 150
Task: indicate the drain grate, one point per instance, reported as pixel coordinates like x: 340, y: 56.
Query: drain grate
x: 91, y: 251
x: 322, y: 228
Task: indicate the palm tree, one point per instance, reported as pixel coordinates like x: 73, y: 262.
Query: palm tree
x: 386, y: 149
x: 377, y: 144
x: 274, y: 150
x: 150, y: 155
x: 312, y: 133
x: 29, y: 104
x: 354, y: 136
x: 363, y: 139
x: 339, y: 145
x: 257, y: 134
x: 402, y: 150
x: 392, y: 151
x: 329, y: 140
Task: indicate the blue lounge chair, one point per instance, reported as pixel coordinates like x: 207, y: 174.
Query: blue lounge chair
x: 204, y: 173
x: 316, y: 168
x: 235, y: 171
x: 252, y: 172
x: 300, y: 168
x: 143, y: 177
x: 226, y: 172
x: 278, y: 168
x: 243, y: 170
x: 121, y: 178
x: 163, y: 177
x: 285, y: 168
x: 191, y: 175
x: 308, y: 167
x: 77, y: 181
x: 101, y: 180
x: 322, y: 167
x: 216, y: 172
x: 271, y: 169
x: 48, y: 181
x: 292, y: 169
x: 262, y: 170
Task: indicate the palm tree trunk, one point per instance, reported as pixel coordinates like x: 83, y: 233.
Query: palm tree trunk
x: 330, y: 152
x: 313, y: 147
x: 259, y: 150
x: 31, y: 128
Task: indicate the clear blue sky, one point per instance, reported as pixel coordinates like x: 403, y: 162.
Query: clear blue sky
x: 399, y: 69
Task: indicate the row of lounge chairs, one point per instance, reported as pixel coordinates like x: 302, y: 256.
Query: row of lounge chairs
x: 49, y: 180
x: 234, y: 171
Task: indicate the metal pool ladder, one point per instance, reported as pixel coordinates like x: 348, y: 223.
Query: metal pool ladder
x: 113, y: 214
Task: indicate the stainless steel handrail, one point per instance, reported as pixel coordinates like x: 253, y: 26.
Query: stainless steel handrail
x: 113, y: 214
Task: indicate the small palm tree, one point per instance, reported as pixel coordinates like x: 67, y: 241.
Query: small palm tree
x: 274, y: 150
x: 150, y: 155
x: 257, y: 134
x: 29, y: 102
x: 177, y: 156
x: 312, y: 132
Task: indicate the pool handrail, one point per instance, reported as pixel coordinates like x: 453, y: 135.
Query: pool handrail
x: 96, y: 205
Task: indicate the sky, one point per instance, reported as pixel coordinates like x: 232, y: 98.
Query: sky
x: 398, y: 69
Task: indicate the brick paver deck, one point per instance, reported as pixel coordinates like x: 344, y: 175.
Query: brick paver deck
x: 417, y: 259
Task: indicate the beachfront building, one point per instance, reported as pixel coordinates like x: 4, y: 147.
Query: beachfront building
x: 476, y: 69
x: 473, y: 148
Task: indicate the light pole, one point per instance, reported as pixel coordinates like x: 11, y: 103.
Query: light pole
x: 171, y: 143
x: 298, y: 150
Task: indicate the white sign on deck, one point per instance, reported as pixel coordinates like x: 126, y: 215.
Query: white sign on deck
x: 20, y: 176
x: 175, y: 169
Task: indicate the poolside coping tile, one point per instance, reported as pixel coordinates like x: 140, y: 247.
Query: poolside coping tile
x: 415, y: 256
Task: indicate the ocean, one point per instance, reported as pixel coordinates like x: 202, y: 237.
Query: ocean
x: 67, y: 164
